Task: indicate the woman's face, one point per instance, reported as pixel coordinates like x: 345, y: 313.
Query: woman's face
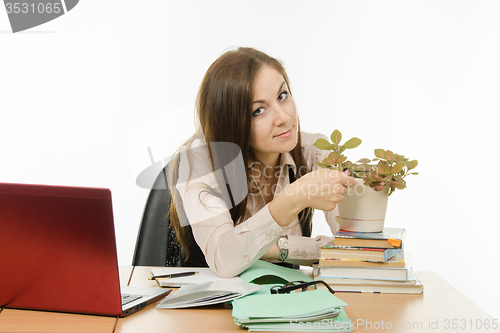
x: 274, y: 118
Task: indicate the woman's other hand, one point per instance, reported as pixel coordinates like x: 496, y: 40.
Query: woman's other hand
x: 321, y: 189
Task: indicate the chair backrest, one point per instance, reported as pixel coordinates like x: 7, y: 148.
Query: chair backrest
x: 156, y: 245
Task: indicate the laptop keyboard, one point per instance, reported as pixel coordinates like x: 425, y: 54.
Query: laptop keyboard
x: 129, y: 298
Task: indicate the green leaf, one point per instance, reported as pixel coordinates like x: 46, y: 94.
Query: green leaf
x: 364, y: 160
x: 336, y: 137
x: 398, y: 185
x: 334, y: 155
x: 352, y: 143
x: 341, y: 159
x: 322, y: 144
x: 321, y: 165
x: 383, y: 167
x: 380, y: 153
x: 386, y: 179
x: 389, y: 155
x: 399, y: 158
x: 328, y: 161
x: 413, y: 173
x: 397, y: 167
x: 412, y: 164
x: 363, y: 175
x: 346, y: 165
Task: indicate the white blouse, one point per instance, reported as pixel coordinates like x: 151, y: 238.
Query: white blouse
x: 230, y: 248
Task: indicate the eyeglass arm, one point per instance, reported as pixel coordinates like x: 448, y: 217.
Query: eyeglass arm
x: 303, y: 286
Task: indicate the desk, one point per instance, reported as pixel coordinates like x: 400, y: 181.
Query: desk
x: 432, y: 312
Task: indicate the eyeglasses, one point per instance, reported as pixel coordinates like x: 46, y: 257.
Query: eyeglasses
x: 290, y: 286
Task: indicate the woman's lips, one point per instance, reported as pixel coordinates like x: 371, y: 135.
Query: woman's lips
x: 284, y: 134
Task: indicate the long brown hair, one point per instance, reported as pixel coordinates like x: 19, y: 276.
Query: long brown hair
x: 224, y: 105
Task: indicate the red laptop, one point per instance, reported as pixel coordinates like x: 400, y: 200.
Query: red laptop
x: 58, y: 252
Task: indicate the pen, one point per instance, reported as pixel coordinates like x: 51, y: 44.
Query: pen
x: 173, y: 275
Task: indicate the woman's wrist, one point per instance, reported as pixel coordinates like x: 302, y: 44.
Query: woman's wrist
x: 272, y: 253
x: 286, y: 206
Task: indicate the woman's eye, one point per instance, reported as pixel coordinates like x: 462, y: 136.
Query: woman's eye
x: 258, y: 112
x: 283, y: 96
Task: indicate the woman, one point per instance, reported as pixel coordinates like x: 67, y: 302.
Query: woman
x: 246, y: 183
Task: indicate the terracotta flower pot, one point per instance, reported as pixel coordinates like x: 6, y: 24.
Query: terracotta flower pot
x: 363, y: 209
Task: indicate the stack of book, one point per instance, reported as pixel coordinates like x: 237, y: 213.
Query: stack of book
x: 368, y: 262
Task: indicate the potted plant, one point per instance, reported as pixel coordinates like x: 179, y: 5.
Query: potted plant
x: 365, y: 204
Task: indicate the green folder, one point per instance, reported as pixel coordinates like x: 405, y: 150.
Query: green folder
x: 315, y: 310
x: 288, y: 305
x: 340, y: 323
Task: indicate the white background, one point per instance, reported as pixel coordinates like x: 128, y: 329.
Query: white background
x: 83, y: 96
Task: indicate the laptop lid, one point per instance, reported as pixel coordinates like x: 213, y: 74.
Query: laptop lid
x: 58, y: 250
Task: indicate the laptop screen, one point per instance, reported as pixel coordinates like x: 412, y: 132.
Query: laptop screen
x: 58, y: 250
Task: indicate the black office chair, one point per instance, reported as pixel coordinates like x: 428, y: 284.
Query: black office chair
x: 156, y: 243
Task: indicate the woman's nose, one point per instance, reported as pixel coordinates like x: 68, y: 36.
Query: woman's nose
x: 281, y: 117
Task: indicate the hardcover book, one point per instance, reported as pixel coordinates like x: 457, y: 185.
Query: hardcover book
x: 398, y: 261
x: 359, y: 253
x: 390, y: 238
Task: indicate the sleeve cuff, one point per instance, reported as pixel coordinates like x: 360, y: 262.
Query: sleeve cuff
x: 264, y: 228
x: 305, y: 248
